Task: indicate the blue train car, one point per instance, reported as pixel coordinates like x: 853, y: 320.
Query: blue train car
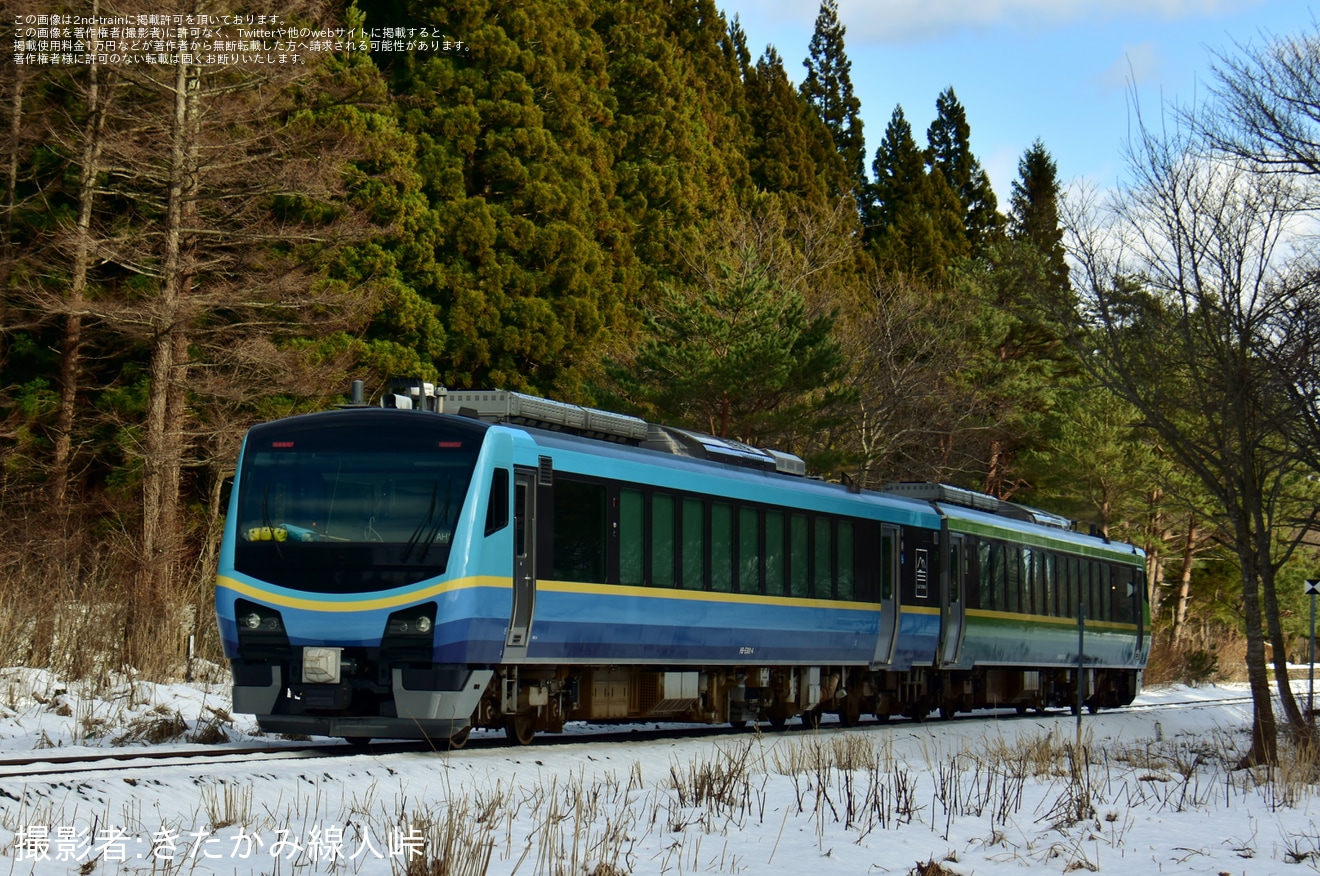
x: 489, y: 559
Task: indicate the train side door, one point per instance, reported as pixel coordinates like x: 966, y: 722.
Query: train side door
x: 952, y: 603
x: 887, y: 641
x: 524, y: 563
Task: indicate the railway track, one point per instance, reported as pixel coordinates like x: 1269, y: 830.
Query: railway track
x: 48, y: 763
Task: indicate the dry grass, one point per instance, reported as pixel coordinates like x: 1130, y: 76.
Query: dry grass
x: 70, y: 602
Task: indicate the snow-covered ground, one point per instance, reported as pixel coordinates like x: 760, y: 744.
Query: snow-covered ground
x: 974, y: 796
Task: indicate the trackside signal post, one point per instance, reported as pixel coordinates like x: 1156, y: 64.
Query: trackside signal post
x: 1312, y: 590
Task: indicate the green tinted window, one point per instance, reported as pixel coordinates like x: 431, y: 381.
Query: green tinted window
x: 749, y: 550
x: 662, y: 540
x: 721, y: 547
x: 694, y: 544
x: 799, y: 559
x: 776, y: 563
x: 632, y: 536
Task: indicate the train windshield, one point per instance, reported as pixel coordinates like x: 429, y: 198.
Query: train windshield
x: 353, y: 501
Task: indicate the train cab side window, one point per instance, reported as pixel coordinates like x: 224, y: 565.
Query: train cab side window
x: 497, y: 503
x: 579, y: 531
x: 662, y: 540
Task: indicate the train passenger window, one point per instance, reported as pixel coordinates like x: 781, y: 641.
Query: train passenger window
x: 1012, y: 577
x: 662, y: 540
x: 776, y: 560
x: 694, y: 545
x: 985, y: 577
x: 1099, y: 592
x: 721, y: 547
x: 846, y: 561
x: 1039, y: 597
x: 997, y: 599
x: 799, y: 558
x: 1050, y: 584
x: 749, y: 550
x: 497, y: 503
x: 824, y: 555
x: 632, y: 536
x: 579, y: 531
x: 1026, y: 574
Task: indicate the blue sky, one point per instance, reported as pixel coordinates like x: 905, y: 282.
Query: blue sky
x: 1057, y: 70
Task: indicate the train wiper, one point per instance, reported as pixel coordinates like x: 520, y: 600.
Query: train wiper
x: 266, y: 523
x: 421, y: 526
x: 444, y: 515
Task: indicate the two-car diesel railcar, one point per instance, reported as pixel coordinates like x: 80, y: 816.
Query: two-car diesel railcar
x: 487, y: 559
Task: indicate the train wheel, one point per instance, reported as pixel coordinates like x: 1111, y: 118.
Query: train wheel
x: 850, y: 711
x: 811, y: 718
x: 777, y: 719
x: 459, y: 739
x: 358, y: 742
x: 947, y: 710
x: 520, y: 728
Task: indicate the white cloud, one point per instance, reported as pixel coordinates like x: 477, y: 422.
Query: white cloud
x: 889, y: 21
x: 1140, y: 63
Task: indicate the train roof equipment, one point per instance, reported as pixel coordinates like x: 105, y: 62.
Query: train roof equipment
x: 516, y: 408
x: 948, y: 495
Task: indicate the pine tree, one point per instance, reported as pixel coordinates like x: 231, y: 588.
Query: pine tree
x: 513, y: 135
x: 1034, y: 212
x: 913, y: 220
x: 949, y: 153
x: 737, y: 357
x: 828, y: 88
x: 791, y: 149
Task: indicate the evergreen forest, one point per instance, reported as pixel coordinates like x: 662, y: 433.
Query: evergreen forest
x: 623, y: 204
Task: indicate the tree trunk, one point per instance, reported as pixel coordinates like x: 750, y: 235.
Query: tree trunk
x: 1264, y: 729
x: 1185, y: 582
x: 1273, y: 620
x: 71, y: 347
x: 163, y: 452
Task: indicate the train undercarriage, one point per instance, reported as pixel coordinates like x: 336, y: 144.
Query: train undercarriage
x: 526, y: 700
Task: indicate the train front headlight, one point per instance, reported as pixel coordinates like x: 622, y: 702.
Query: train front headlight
x: 259, y: 626
x: 408, y: 633
x: 416, y: 621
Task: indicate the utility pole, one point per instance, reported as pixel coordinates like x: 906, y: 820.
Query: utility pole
x: 1312, y: 590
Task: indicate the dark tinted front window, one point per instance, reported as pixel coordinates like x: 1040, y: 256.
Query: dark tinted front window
x: 353, y: 501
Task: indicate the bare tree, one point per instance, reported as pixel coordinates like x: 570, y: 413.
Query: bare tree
x: 205, y: 202
x: 1267, y: 113
x: 1186, y: 292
